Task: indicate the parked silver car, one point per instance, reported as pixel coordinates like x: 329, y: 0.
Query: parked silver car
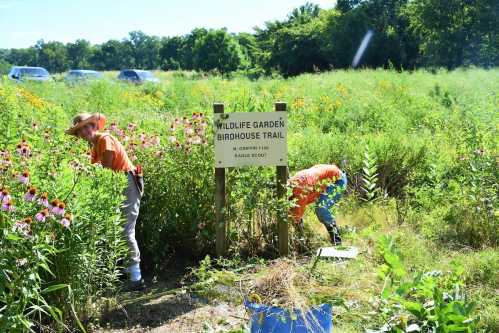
x: 137, y: 76
x: 79, y: 75
x: 24, y: 73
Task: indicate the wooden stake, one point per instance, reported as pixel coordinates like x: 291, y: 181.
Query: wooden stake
x: 282, y: 219
x: 221, y: 229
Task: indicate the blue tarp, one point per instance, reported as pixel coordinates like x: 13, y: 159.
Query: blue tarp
x: 273, y: 319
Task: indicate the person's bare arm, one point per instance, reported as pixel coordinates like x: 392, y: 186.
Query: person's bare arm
x: 107, y: 159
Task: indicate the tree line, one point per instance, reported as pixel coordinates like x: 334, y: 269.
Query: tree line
x: 407, y: 34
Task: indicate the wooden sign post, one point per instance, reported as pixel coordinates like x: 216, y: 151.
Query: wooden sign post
x: 281, y: 179
x: 221, y: 228
x: 245, y: 139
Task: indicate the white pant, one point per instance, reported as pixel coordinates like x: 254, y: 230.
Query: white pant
x: 131, y: 210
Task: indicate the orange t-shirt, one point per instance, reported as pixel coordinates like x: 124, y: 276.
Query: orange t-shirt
x: 107, y: 142
x: 308, y: 184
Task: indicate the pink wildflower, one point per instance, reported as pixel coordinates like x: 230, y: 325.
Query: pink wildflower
x: 172, y: 139
x: 34, y: 126
x: 155, y: 140
x: 60, y: 209
x: 23, y: 150
x: 113, y: 127
x: 24, y: 178
x: 30, y: 195
x: 43, y: 200
x: 7, y: 206
x: 188, y: 130
x: 131, y: 127
x: 6, y: 198
x: 41, y: 216
x: 3, y: 193
x: 66, y: 221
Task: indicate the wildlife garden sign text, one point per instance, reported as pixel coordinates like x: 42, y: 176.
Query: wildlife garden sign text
x: 250, y: 138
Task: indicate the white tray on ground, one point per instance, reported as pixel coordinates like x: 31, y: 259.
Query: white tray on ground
x: 341, y: 252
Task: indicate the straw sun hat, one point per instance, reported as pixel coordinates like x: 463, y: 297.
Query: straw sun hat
x: 82, y: 119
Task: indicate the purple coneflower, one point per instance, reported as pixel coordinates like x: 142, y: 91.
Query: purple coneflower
x: 155, y: 140
x: 3, y: 193
x: 44, y: 200
x: 66, y: 221
x: 30, y: 195
x: 41, y: 216
x: 23, y: 149
x: 60, y: 209
x: 24, y: 178
x: 7, y: 206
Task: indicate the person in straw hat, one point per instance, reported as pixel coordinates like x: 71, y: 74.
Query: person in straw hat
x: 111, y: 154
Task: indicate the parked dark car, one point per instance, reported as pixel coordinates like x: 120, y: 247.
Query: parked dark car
x: 24, y: 73
x: 137, y: 76
x: 78, y: 75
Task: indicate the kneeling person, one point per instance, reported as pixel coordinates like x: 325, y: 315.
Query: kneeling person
x: 322, y: 184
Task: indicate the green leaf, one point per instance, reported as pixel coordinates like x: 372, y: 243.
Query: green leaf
x: 456, y: 328
x: 13, y: 237
x: 414, y: 308
x: 54, y: 288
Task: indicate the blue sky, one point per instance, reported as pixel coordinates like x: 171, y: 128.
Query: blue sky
x: 23, y: 22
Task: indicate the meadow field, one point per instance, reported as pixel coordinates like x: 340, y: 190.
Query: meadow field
x: 420, y: 149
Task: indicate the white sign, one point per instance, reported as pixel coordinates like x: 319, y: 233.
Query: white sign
x: 250, y: 138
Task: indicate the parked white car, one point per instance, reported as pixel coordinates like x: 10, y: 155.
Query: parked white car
x: 80, y: 75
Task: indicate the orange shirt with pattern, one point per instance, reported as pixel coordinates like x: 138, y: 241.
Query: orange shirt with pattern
x: 106, y: 142
x: 308, y: 184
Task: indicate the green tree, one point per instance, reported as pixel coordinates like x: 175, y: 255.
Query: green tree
x: 345, y: 5
x: 113, y: 55
x: 145, y: 49
x: 79, y: 53
x: 53, y: 56
x: 217, y: 50
x: 297, y: 48
x: 303, y: 14
x: 456, y: 32
x: 188, y: 45
x: 23, y: 57
x: 170, y: 53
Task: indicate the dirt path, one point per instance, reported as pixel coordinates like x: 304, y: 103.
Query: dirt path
x: 164, y: 307
x: 173, y: 313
